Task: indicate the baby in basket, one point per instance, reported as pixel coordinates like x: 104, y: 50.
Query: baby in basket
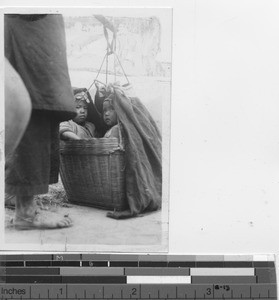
x: 110, y: 118
x: 78, y: 128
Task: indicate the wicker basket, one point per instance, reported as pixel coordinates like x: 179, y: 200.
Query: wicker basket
x: 93, y: 173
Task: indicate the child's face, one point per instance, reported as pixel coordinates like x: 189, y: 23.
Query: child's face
x: 109, y: 114
x: 81, y: 109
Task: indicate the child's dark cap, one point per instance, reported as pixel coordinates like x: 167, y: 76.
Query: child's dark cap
x: 109, y: 98
x: 82, y: 96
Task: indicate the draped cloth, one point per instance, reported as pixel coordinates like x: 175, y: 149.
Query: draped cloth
x: 143, y: 152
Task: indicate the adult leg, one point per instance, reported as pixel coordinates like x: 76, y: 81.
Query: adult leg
x: 17, y: 115
x: 30, y: 171
x: 17, y: 108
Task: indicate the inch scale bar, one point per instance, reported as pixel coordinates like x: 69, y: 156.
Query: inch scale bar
x: 98, y: 276
x: 141, y: 291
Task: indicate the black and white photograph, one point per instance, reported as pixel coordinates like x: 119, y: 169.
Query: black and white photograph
x: 140, y: 126
x: 87, y: 128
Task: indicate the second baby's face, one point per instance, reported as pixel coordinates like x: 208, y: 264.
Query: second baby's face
x: 110, y: 116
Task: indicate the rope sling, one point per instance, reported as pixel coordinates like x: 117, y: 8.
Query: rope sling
x: 111, y: 50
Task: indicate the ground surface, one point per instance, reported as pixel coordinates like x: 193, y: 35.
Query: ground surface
x: 91, y: 228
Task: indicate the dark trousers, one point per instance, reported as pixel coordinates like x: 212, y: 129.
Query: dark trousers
x: 35, y: 163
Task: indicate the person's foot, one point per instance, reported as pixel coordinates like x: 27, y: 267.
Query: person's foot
x: 27, y: 217
x: 42, y: 220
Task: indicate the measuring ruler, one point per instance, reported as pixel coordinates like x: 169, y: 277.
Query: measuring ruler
x: 121, y: 276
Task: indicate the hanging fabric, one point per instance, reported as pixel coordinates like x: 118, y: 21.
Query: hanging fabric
x: 143, y: 156
x: 143, y: 142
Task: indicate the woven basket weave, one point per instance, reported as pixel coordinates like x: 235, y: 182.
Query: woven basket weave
x: 93, y: 172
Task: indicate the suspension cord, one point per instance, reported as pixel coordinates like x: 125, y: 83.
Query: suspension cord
x: 107, y: 66
x: 111, y: 49
x: 122, y: 68
x: 98, y: 72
